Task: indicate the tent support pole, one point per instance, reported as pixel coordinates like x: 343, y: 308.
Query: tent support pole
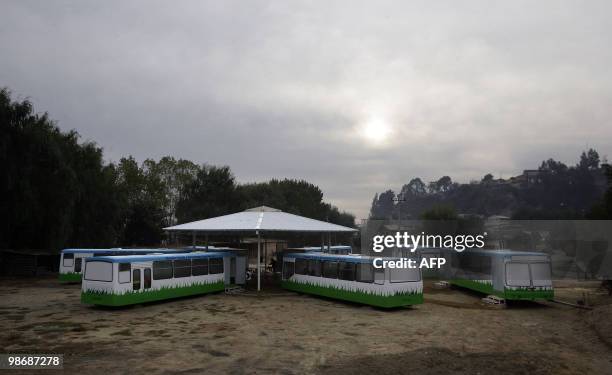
x: 206, y: 241
x: 258, y: 262
x: 329, y: 242
x: 193, y: 239
x: 322, y: 242
x: 265, y: 250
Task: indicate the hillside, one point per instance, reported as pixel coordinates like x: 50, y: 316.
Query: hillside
x: 554, y: 190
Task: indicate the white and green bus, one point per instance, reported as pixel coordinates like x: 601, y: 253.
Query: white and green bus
x: 132, y: 279
x: 71, y: 260
x: 512, y: 275
x: 336, y: 249
x: 352, y: 278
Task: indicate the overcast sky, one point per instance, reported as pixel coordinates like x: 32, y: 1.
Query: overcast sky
x: 354, y: 97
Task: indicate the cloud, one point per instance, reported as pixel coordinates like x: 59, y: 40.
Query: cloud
x: 278, y: 89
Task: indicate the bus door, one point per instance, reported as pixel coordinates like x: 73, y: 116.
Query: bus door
x: 141, y: 278
x: 136, y: 282
x: 147, y: 278
x: 77, y: 264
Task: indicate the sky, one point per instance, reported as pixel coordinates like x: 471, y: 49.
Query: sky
x: 355, y: 97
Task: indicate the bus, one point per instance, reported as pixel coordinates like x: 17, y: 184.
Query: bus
x: 512, y: 275
x: 71, y: 260
x: 336, y: 249
x: 352, y: 278
x: 132, y: 279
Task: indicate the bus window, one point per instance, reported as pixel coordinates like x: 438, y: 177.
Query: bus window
x: 288, y: 270
x: 136, y: 280
x: 301, y: 266
x: 403, y: 275
x: 182, y: 268
x: 330, y: 270
x: 365, y: 273
x: 215, y: 265
x: 199, y: 267
x: 517, y: 274
x: 346, y: 271
x: 379, y: 276
x: 540, y: 274
x: 147, y: 278
x: 99, y: 271
x: 124, y: 272
x: 314, y: 268
x: 77, y: 264
x: 162, y: 270
x: 68, y: 260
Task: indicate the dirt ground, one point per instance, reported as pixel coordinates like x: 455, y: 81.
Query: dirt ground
x: 288, y: 333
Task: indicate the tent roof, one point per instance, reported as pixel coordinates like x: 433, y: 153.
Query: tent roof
x: 264, y: 219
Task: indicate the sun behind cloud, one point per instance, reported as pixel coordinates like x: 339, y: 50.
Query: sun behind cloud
x: 376, y: 131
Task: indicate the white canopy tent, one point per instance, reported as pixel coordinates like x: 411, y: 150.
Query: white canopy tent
x: 260, y: 220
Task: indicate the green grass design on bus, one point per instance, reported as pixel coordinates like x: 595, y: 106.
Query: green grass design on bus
x: 528, y: 294
x: 133, y: 297
x: 361, y: 296
x: 477, y: 285
x: 70, y: 277
x: 521, y: 293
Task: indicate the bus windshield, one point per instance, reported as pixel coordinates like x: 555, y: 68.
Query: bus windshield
x: 99, y: 271
x: 540, y: 274
x: 517, y: 274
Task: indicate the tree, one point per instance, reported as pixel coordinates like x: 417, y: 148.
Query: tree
x: 602, y: 210
x: 339, y: 217
x: 174, y: 176
x: 415, y: 188
x: 295, y: 196
x: 488, y: 178
x: 553, y: 167
x: 589, y: 160
x: 212, y: 193
x: 143, y: 199
x: 383, y: 207
x: 440, y: 213
x: 374, y: 207
x: 565, y: 191
x: 97, y: 212
x: 443, y: 185
x: 557, y: 191
x: 56, y: 192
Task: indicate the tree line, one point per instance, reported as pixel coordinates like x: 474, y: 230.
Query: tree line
x: 59, y: 192
x: 552, y: 191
